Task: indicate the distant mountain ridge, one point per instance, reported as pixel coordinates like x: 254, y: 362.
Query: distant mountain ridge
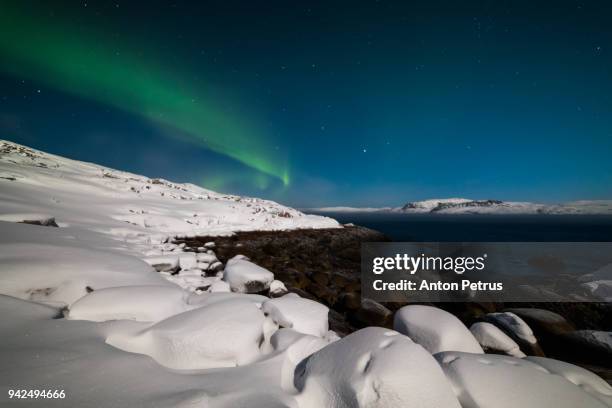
x: 486, y: 206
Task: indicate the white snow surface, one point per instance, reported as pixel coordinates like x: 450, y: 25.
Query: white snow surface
x: 492, y: 338
x: 435, y: 329
x: 140, y: 303
x: 302, y: 315
x: 373, y: 367
x: 507, y: 382
x: 579, y: 376
x: 58, y: 264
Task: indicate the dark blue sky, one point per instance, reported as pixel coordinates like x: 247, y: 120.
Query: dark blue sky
x: 374, y: 103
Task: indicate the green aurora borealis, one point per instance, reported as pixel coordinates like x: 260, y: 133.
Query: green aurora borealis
x: 84, y: 65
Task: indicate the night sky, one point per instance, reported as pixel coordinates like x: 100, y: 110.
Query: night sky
x: 330, y: 103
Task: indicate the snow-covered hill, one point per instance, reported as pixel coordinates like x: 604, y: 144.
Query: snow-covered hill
x: 469, y: 206
x: 127, y: 205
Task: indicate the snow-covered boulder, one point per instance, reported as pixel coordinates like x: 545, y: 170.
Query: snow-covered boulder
x: 601, y: 289
x: 373, y: 367
x: 493, y: 339
x: 303, y: 315
x: 518, y: 330
x: 585, y: 379
x: 435, y: 329
x: 206, y: 258
x: 215, y: 266
x: 507, y: 382
x: 220, y: 286
x: 543, y: 321
x: 207, y: 299
x: 190, y: 272
x: 188, y: 260
x: 163, y: 263
x: 224, y: 334
x: 295, y: 347
x: 245, y: 277
x: 277, y: 289
x: 140, y: 303
x: 513, y: 324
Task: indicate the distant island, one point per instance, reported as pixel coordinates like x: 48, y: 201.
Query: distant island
x: 470, y: 206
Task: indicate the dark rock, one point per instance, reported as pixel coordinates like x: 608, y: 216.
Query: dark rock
x: 166, y: 267
x: 543, y: 322
x: 593, y: 346
x: 47, y: 222
x: 372, y: 313
x: 351, y: 301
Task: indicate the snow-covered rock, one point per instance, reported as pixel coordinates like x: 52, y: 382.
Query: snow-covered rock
x: 244, y: 276
x: 207, y: 299
x: 163, y: 263
x: 303, y: 315
x: 435, y: 329
x: 493, y: 339
x: 513, y: 324
x: 601, y: 289
x: 543, y: 321
x: 507, y: 382
x: 295, y: 347
x: 188, y: 260
x: 220, y: 286
x: 140, y: 303
x: 277, y: 289
x: 373, y: 367
x: 579, y: 376
x: 223, y: 334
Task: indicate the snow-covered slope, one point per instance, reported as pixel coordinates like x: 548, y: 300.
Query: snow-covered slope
x: 129, y: 206
x: 469, y: 206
